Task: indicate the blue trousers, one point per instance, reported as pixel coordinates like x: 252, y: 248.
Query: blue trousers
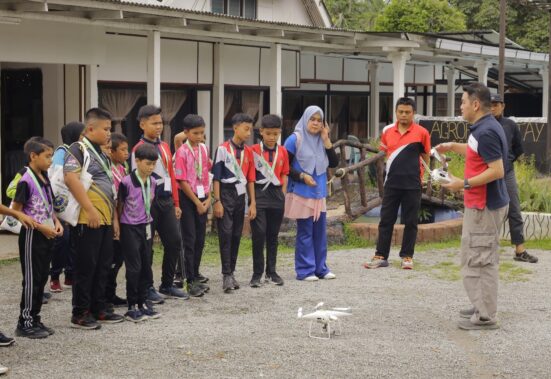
x: 311, y: 247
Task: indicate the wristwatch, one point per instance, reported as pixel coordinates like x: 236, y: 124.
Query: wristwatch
x: 466, y: 184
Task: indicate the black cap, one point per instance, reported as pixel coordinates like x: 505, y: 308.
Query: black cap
x: 496, y: 98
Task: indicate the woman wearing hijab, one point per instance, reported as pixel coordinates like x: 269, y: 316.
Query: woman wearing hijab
x: 310, y: 154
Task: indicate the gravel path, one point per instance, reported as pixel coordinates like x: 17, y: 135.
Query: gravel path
x: 403, y: 325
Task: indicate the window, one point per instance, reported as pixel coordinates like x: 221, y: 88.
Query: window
x: 239, y: 8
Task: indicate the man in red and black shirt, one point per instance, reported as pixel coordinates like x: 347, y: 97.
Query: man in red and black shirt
x: 405, y: 144
x: 486, y: 202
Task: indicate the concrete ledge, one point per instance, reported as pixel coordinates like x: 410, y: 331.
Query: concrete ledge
x: 435, y: 232
x: 536, y: 226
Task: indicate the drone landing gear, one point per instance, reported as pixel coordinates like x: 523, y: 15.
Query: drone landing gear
x: 326, y: 330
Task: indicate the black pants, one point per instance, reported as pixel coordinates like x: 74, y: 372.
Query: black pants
x: 166, y: 224
x: 63, y: 255
x: 230, y: 226
x: 265, y: 230
x: 35, y: 254
x: 92, y: 265
x: 118, y: 260
x: 410, y: 200
x: 137, y: 251
x: 194, y: 227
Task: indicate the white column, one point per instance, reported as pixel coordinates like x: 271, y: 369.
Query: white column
x: 398, y: 59
x: 374, y: 100
x: 450, y: 76
x: 91, y: 86
x: 218, y: 96
x: 482, y: 68
x: 154, y: 68
x: 545, y: 92
x: 275, y: 79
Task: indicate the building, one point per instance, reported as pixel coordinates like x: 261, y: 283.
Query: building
x: 219, y: 57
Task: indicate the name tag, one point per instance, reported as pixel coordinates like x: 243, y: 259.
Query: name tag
x: 241, y: 189
x: 201, y: 192
x: 168, y: 185
x: 49, y: 223
x: 148, y: 232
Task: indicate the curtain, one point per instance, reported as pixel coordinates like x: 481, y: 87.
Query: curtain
x: 171, y: 102
x: 228, y: 102
x: 119, y: 102
x: 251, y: 102
x: 338, y: 128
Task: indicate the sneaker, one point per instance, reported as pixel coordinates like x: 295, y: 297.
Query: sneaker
x: 119, y: 302
x: 178, y: 282
x: 85, y: 321
x: 109, y: 318
x: 32, y: 332
x: 173, y: 293
x: 407, y: 263
x: 135, y: 315
x: 150, y: 312
x: 201, y: 278
x: 255, y: 282
x: 235, y: 283
x: 194, y: 290
x: 46, y: 297
x: 40, y: 325
x: 227, y: 283
x: 3, y: 370
x: 68, y: 282
x: 525, y: 257
x: 311, y: 278
x: 466, y: 313
x: 329, y: 275
x: 55, y: 286
x: 376, y: 262
x: 154, y: 296
x: 204, y: 287
x: 5, y: 340
x: 468, y: 325
x: 274, y: 278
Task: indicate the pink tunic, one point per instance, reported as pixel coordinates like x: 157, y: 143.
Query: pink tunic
x: 298, y: 207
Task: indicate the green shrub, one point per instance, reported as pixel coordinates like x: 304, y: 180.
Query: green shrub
x: 533, y: 189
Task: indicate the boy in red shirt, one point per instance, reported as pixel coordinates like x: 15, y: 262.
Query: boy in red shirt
x: 272, y: 168
x: 234, y: 175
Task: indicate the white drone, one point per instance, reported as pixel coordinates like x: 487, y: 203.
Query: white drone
x: 439, y: 175
x: 326, y: 318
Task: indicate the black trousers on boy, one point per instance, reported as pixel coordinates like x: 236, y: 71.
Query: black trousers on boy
x: 92, y: 266
x: 410, y: 200
x: 35, y: 254
x: 166, y: 224
x: 265, y: 231
x: 194, y: 227
x: 63, y: 255
x: 230, y: 226
x: 137, y: 251
x: 118, y: 260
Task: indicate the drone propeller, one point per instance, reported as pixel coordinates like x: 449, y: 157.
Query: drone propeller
x: 319, y: 305
x: 333, y: 318
x: 342, y: 309
x: 299, y: 314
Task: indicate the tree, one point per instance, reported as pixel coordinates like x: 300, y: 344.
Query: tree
x: 354, y: 14
x: 420, y: 16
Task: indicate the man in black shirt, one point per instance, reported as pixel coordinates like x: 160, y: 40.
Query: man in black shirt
x: 514, y: 143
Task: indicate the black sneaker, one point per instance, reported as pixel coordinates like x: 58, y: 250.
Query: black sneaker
x: 150, y: 312
x: 178, y: 282
x: 201, y: 278
x: 235, y: 283
x: 32, y: 332
x: 227, y: 283
x: 274, y: 279
x: 154, y: 297
x: 525, y: 257
x: 135, y: 315
x: 119, y: 302
x: 255, y: 281
x: 108, y: 318
x: 46, y: 297
x: 174, y: 293
x: 5, y: 340
x: 40, y: 325
x: 204, y: 287
x: 194, y: 290
x: 85, y: 321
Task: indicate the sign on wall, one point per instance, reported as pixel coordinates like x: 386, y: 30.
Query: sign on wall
x: 455, y: 129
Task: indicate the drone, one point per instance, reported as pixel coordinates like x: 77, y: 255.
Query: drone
x: 326, y: 318
x: 439, y: 175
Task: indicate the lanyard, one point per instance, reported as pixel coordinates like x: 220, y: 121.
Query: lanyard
x: 117, y: 172
x: 104, y: 165
x: 240, y: 159
x: 146, y: 193
x: 275, y: 156
x: 164, y: 159
x: 47, y: 205
x: 198, y: 161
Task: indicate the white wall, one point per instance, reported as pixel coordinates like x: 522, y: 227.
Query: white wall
x: 290, y: 11
x: 72, y: 95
